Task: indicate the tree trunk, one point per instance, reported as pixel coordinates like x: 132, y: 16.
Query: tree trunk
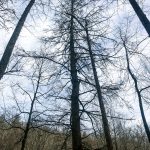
x: 144, y: 20
x: 138, y: 94
x: 75, y: 118
x: 10, y: 46
x: 100, y: 99
x: 26, y: 131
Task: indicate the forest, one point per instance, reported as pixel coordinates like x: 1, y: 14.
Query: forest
x: 74, y: 75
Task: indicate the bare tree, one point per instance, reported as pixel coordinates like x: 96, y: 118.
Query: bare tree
x: 99, y: 93
x: 138, y: 91
x: 75, y: 119
x: 24, y: 139
x: 10, y: 46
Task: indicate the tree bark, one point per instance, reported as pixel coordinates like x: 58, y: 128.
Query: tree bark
x: 10, y: 46
x: 144, y: 20
x: 147, y: 130
x: 75, y: 118
x: 100, y: 99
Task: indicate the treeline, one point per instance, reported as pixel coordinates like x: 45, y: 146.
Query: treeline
x: 45, y: 138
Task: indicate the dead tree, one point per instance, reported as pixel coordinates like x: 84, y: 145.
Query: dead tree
x: 75, y: 118
x: 99, y: 93
x: 10, y: 46
x: 138, y: 91
x: 27, y: 128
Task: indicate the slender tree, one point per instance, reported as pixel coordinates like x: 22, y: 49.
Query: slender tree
x: 99, y: 93
x: 10, y: 46
x: 138, y: 91
x: 27, y: 127
x: 97, y: 85
x: 75, y: 118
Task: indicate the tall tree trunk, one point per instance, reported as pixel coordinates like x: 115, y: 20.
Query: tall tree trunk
x: 75, y: 118
x: 10, y: 46
x: 147, y: 130
x: 144, y: 20
x: 100, y: 99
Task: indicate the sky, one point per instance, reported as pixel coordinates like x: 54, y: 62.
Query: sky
x: 29, y: 41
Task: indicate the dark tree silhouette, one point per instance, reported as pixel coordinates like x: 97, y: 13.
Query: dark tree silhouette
x: 99, y: 93
x: 75, y: 124
x: 138, y: 91
x: 10, y: 46
x: 144, y: 20
x: 27, y: 128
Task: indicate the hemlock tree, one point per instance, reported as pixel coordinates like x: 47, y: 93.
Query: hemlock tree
x: 75, y: 118
x: 84, y: 23
x: 77, y: 56
x: 99, y: 92
x: 97, y: 84
x: 65, y: 34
